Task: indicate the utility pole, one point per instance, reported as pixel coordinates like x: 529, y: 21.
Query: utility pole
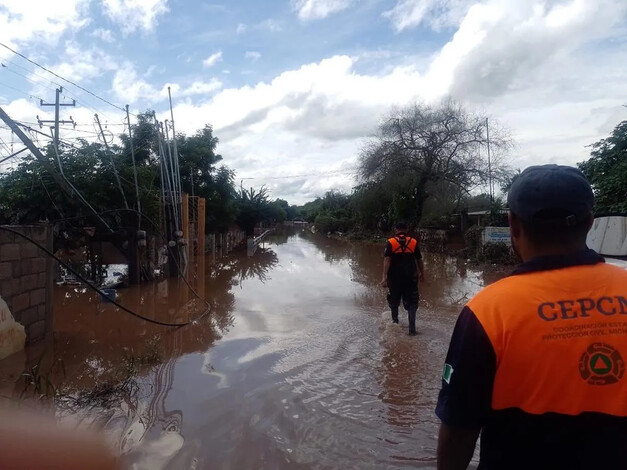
x: 57, y: 104
x: 60, y: 179
x: 115, y: 171
x: 487, y: 128
x: 176, y: 152
x: 36, y: 153
x: 130, y: 140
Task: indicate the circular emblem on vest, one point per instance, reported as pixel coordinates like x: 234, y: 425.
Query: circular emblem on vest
x: 601, y: 364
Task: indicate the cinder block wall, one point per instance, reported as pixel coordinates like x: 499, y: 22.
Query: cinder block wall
x: 26, y: 279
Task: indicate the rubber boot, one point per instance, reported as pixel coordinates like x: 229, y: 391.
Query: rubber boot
x: 411, y: 314
x: 395, y: 315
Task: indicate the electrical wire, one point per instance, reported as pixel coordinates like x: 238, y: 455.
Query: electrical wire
x: 30, y: 95
x: 327, y: 173
x: 26, y: 77
x: 62, y: 78
x: 100, y: 291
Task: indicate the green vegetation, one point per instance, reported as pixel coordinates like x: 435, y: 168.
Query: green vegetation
x: 29, y: 193
x: 421, y: 167
x: 607, y: 171
x: 424, y: 165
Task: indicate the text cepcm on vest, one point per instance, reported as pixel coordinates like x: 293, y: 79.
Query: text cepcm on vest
x: 582, y: 308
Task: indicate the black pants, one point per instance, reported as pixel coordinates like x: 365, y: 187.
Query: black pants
x: 405, y: 290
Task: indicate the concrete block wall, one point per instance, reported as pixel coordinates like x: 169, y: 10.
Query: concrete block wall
x: 26, y: 279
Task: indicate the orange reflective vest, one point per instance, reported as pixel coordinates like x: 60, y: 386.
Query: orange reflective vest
x: 560, y: 340
x: 408, y: 247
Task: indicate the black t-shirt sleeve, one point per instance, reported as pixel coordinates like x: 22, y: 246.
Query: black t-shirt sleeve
x: 417, y: 253
x: 466, y: 396
x: 388, y: 249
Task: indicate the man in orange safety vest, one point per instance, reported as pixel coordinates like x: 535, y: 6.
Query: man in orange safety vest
x: 403, y: 268
x: 536, y: 362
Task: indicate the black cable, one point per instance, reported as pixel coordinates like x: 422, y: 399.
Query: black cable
x: 99, y: 291
x: 62, y: 78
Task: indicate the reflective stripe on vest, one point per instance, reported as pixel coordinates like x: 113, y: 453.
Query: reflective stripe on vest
x: 408, y: 247
x: 560, y: 339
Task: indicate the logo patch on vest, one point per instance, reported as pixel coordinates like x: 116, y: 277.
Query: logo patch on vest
x: 601, y: 364
x: 448, y: 372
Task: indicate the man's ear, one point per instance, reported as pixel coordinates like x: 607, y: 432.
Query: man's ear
x: 590, y: 221
x: 514, y: 225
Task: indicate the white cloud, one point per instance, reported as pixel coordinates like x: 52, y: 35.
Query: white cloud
x: 325, y: 108
x: 133, y: 15
x: 551, y: 70
x: 254, y: 56
x: 318, y: 9
x: 128, y: 87
x: 105, y: 35
x: 40, y: 20
x: 202, y: 88
x: 270, y: 25
x: 212, y: 60
x: 241, y: 28
x: 538, y: 68
x: 80, y: 63
x: 436, y: 13
x: 501, y: 45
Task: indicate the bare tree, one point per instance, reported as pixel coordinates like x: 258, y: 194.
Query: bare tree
x: 420, y: 146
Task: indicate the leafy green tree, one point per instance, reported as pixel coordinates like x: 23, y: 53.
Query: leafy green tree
x: 371, y: 204
x: 201, y: 176
x: 607, y: 171
x: 252, y: 207
x: 29, y: 193
x: 276, y: 211
x: 145, y: 141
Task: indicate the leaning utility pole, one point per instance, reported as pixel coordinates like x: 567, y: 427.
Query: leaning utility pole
x: 176, y: 152
x: 36, y: 152
x: 60, y: 179
x: 57, y: 104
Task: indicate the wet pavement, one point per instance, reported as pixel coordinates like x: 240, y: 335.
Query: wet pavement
x: 297, y: 365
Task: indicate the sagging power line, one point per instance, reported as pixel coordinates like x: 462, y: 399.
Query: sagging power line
x: 104, y: 100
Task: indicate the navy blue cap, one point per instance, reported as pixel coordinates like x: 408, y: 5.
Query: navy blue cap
x: 551, y: 194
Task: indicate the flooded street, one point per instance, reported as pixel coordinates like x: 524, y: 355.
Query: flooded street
x: 297, y: 366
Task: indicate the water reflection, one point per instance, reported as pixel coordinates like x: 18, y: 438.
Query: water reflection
x: 298, y: 365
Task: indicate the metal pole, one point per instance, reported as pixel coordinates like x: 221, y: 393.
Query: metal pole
x: 115, y: 171
x: 176, y: 152
x: 130, y: 140
x: 487, y: 127
x: 56, y: 119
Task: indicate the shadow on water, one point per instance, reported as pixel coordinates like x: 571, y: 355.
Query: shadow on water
x: 297, y: 366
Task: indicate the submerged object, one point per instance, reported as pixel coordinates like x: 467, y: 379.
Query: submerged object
x: 107, y: 295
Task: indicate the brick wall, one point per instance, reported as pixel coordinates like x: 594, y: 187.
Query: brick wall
x: 26, y: 279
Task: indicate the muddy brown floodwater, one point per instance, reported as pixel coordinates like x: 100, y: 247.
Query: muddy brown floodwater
x: 297, y: 366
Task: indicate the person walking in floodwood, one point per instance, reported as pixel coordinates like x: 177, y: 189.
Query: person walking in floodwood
x: 402, y: 270
x: 537, y: 360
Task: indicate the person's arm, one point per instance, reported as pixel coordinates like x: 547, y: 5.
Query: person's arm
x: 420, y: 265
x: 386, y: 268
x: 421, y: 270
x: 465, y: 400
x: 386, y: 264
x: 456, y: 446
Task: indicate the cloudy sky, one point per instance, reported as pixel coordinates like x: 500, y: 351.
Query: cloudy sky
x: 292, y: 87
